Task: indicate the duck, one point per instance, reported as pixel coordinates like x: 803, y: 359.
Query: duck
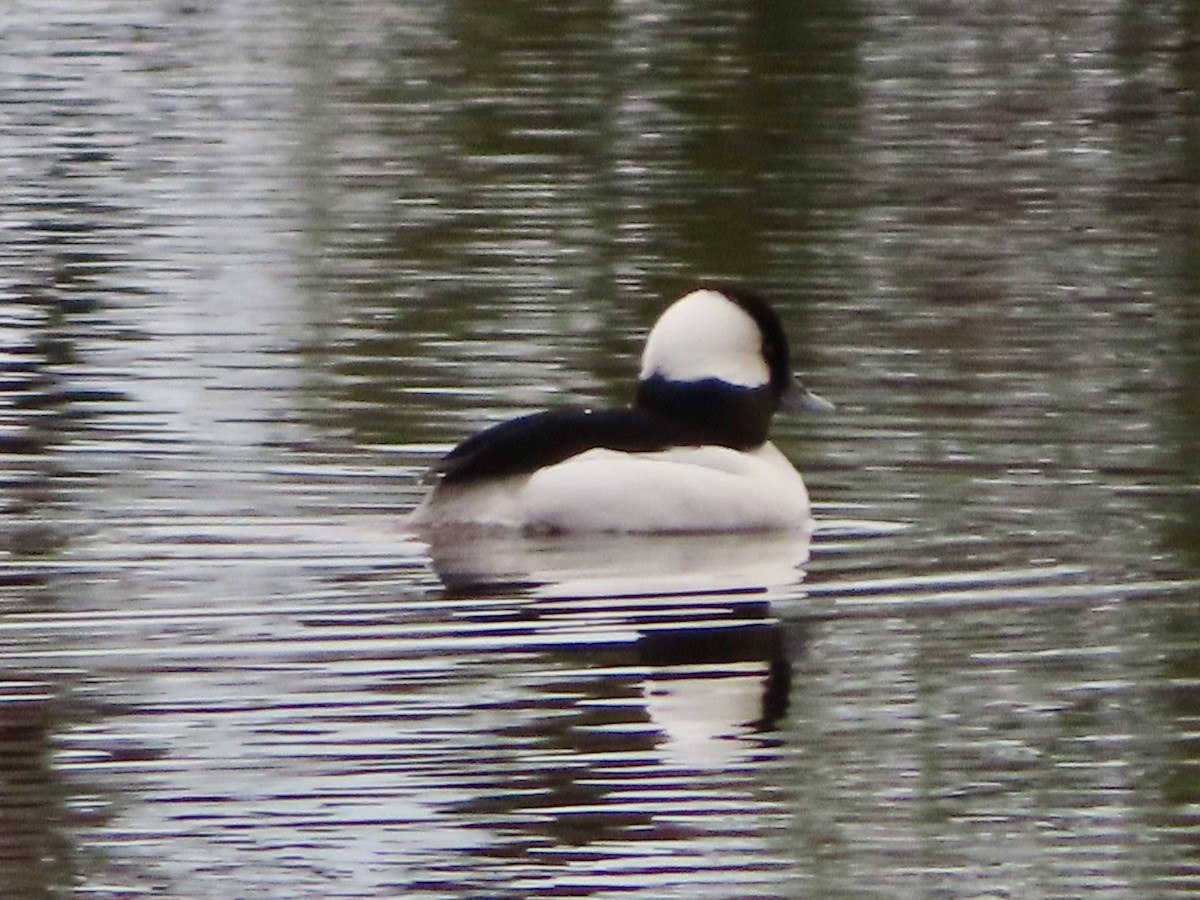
x: 692, y: 454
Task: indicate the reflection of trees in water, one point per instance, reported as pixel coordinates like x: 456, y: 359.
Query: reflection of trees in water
x: 42, y: 408
x: 65, y: 260
x: 1177, y: 225
x: 41, y: 411
x: 65, y: 255
x: 37, y: 855
x: 547, y: 182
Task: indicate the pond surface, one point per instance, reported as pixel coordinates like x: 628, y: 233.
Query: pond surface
x: 261, y: 263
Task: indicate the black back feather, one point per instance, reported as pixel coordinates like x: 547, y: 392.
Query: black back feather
x: 528, y: 443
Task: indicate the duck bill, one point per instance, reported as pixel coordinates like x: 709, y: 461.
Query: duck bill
x: 798, y: 398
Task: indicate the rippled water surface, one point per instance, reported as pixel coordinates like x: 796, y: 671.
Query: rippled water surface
x: 261, y: 263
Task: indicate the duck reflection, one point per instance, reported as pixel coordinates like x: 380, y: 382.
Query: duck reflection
x: 688, y: 661
x: 657, y: 677
x: 716, y: 695
x: 481, y: 561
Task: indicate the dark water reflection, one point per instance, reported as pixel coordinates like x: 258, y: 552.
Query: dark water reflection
x: 259, y: 263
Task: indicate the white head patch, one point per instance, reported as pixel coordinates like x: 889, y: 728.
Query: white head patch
x: 706, y: 335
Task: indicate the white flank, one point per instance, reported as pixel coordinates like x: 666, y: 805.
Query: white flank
x: 684, y: 489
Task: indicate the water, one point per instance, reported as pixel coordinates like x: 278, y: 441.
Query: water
x: 261, y: 263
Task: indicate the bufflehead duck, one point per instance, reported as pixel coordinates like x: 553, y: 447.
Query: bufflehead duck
x: 691, y: 454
